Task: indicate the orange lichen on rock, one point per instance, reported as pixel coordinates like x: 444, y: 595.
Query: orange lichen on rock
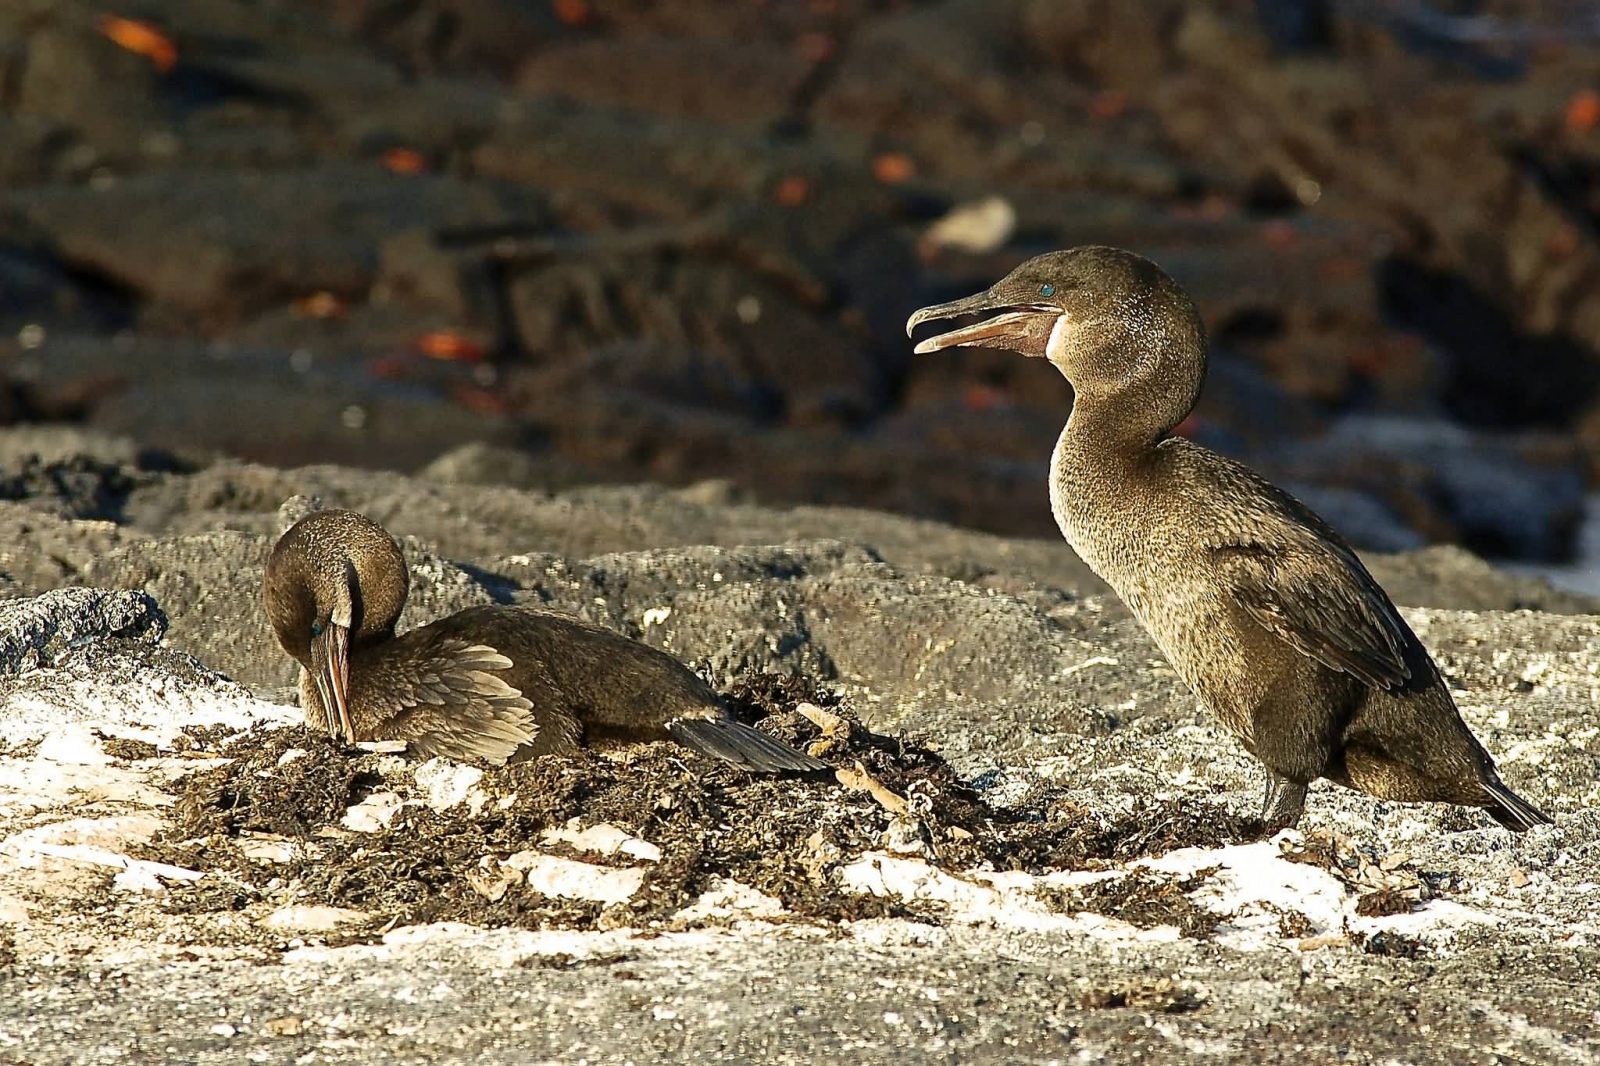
x: 571, y: 12
x: 450, y: 346
x: 893, y: 168
x: 792, y: 191
x: 1583, y: 111
x: 141, y: 38
x: 404, y: 161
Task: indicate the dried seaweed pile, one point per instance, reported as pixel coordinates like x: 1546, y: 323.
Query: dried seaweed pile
x: 786, y: 837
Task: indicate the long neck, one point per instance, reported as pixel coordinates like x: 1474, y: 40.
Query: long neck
x: 1102, y: 433
x: 1100, y: 470
x: 1133, y: 382
x: 1095, y: 459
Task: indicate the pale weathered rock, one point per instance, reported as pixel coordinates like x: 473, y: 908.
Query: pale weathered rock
x: 956, y: 639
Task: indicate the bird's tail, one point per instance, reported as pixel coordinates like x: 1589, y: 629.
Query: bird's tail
x: 739, y: 744
x: 1511, y: 810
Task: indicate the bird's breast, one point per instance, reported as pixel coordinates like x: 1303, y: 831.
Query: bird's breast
x: 1143, y: 542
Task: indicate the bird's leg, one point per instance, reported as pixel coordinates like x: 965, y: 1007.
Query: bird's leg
x: 1284, y: 804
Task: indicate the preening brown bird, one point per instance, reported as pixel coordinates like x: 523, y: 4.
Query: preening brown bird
x: 1264, y: 610
x: 487, y: 682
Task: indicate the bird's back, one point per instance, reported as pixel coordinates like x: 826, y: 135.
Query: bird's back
x: 570, y: 668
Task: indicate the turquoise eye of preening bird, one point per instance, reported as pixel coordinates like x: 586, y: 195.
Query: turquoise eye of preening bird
x: 1047, y: 289
x: 316, y: 629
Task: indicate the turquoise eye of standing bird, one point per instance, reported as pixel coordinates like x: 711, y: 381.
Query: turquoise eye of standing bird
x: 316, y: 629
x: 1047, y: 290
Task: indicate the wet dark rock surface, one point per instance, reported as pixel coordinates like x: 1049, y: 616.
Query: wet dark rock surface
x: 637, y: 242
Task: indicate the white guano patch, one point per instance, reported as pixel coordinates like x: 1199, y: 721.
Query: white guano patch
x: 728, y: 899
x: 373, y: 813
x: 1250, y: 885
x: 64, y: 799
x: 1254, y: 884
x: 448, y: 784
x: 567, y: 879
x: 602, y: 839
x: 987, y: 898
x: 153, y: 708
x: 311, y: 918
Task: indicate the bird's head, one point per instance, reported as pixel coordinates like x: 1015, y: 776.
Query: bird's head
x: 334, y: 579
x: 1109, y: 320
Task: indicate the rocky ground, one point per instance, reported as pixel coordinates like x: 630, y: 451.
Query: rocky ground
x: 664, y: 242
x: 1032, y: 845
x: 521, y: 250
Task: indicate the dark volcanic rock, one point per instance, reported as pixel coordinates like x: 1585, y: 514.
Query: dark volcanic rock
x: 220, y: 244
x: 29, y: 145
x: 675, y: 242
x: 323, y: 406
x: 68, y: 72
x: 697, y: 334
x: 77, y: 487
x: 486, y: 464
x: 732, y: 81
x: 40, y: 550
x: 1503, y: 496
x: 35, y: 291
x: 470, y: 36
x: 1482, y: 258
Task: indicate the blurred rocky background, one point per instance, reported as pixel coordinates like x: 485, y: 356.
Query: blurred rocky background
x: 543, y: 242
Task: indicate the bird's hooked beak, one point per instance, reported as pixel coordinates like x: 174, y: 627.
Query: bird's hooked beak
x: 1023, y: 328
x: 330, y: 658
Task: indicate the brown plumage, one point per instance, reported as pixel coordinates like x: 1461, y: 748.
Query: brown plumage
x: 1263, y: 610
x: 487, y: 682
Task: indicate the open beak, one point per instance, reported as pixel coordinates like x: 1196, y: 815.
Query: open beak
x: 1022, y: 328
x: 330, y: 654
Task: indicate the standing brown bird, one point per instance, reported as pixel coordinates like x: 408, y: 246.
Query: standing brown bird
x: 1263, y: 610
x: 486, y: 682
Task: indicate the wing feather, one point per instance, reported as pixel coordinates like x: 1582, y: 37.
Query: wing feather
x: 1300, y: 581
x: 445, y: 696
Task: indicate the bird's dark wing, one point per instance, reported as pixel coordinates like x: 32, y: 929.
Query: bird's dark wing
x: 444, y: 696
x: 1312, y: 592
